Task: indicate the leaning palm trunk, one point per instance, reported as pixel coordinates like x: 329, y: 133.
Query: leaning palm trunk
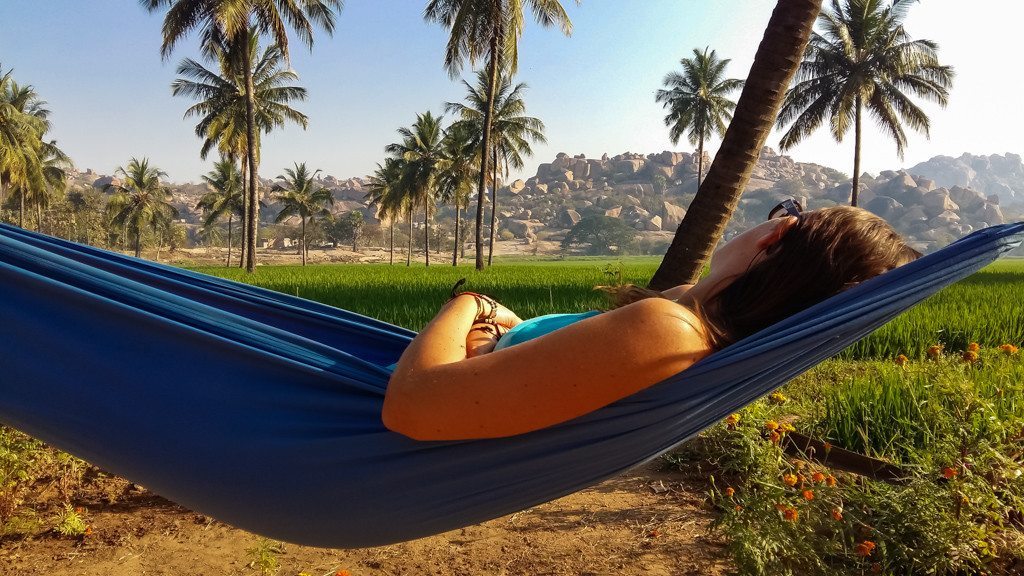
x: 39, y: 217
x: 21, y: 210
x: 484, y: 144
x: 245, y: 212
x: 856, y: 153
x: 775, y: 64
x: 302, y: 240
x: 138, y: 241
x: 700, y: 160
x: 391, y: 244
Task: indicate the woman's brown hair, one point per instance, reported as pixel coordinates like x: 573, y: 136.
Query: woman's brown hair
x: 826, y: 252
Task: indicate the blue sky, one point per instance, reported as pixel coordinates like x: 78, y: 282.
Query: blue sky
x: 98, y: 65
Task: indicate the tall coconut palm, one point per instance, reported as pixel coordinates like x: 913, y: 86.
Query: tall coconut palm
x: 512, y: 131
x: 55, y: 165
x: 489, y: 30
x: 697, y: 100
x: 420, y: 148
x: 775, y: 64
x: 864, y: 58
x: 228, y: 23
x: 385, y: 192
x: 455, y: 180
x: 225, y: 197
x: 222, y: 103
x: 140, y: 200
x: 302, y: 197
x: 23, y: 123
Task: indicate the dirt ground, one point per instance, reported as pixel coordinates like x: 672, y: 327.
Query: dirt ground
x: 647, y: 521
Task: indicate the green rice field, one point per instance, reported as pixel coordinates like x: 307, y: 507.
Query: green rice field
x: 987, y: 308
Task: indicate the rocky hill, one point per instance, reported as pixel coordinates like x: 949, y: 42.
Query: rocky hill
x: 932, y: 203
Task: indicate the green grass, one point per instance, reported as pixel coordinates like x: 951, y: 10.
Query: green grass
x: 985, y: 308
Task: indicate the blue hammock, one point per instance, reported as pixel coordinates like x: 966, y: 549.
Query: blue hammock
x: 263, y: 410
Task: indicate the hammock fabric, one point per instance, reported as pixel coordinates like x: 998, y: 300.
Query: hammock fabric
x: 263, y: 410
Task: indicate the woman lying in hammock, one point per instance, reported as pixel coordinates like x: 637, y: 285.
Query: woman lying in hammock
x: 457, y: 380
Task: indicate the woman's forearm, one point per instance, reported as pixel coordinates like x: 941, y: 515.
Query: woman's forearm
x: 442, y: 341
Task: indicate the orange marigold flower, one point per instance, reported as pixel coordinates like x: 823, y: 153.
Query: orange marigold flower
x: 1008, y: 349
x: 973, y: 347
x: 970, y: 357
x: 732, y: 419
x: 342, y: 573
x: 79, y: 509
x: 730, y: 492
x: 949, y: 473
x: 88, y: 530
x: 828, y: 447
x: 830, y: 481
x: 837, y: 514
x: 818, y: 477
x: 738, y: 508
x: 935, y: 351
x: 654, y: 533
x: 865, y: 548
x: 775, y: 437
x: 902, y: 360
x: 791, y: 514
x: 771, y: 425
x: 790, y: 479
x: 808, y: 494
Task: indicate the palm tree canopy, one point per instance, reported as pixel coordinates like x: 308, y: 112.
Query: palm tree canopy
x: 385, y: 189
x: 864, y: 56
x: 140, y: 199
x: 460, y: 165
x: 219, y: 21
x: 225, y: 195
x: 23, y: 123
x: 697, y: 98
x: 420, y: 149
x: 474, y: 23
x: 300, y: 193
x: 512, y: 131
x: 221, y: 107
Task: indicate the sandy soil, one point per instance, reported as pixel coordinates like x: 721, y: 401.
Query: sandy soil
x: 644, y: 522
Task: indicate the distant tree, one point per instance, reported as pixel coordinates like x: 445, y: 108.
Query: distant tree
x: 23, y: 121
x: 224, y: 198
x: 458, y: 170
x: 140, y: 201
x: 302, y: 197
x: 489, y: 30
x: 600, y: 234
x: 512, y: 131
x: 227, y: 24
x: 697, y: 102
x: 386, y: 194
x: 420, y: 149
x: 863, y: 57
x: 347, y: 228
x: 222, y: 105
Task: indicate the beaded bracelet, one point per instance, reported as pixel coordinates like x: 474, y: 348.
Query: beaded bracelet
x: 480, y: 299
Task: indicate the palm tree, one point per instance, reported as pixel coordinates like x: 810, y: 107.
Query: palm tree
x: 697, y: 101
x: 511, y: 131
x: 55, y: 165
x: 23, y: 123
x: 302, y: 197
x: 385, y: 192
x: 222, y: 104
x: 863, y: 57
x: 140, y: 200
x: 774, y: 66
x: 227, y: 24
x: 489, y: 30
x: 225, y: 196
x: 420, y: 148
x: 455, y: 180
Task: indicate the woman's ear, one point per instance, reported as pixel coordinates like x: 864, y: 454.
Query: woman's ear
x: 775, y: 233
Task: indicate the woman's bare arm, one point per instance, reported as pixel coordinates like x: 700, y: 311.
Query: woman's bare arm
x: 436, y: 393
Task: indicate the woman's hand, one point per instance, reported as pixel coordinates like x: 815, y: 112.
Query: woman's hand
x: 506, y: 318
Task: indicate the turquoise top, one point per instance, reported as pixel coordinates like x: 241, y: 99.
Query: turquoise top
x: 539, y: 326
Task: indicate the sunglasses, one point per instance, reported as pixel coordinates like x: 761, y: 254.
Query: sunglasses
x: 788, y: 207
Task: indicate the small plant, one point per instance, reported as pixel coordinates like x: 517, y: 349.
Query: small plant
x: 70, y: 522
x: 264, y: 556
